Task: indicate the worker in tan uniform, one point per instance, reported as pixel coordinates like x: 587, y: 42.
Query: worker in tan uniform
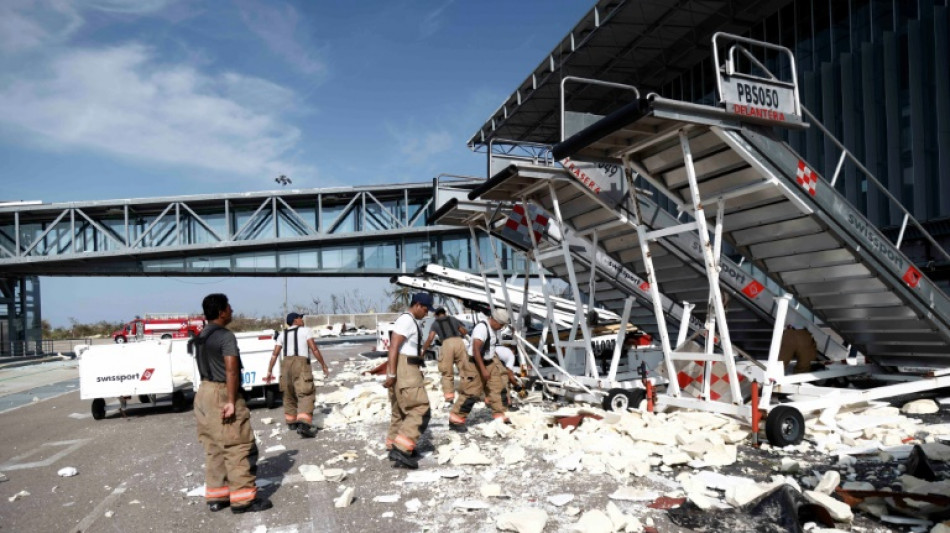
x: 224, y: 422
x: 483, y: 374
x: 296, y: 375
x: 512, y: 381
x: 452, y: 351
x: 408, y: 401
x: 798, y: 344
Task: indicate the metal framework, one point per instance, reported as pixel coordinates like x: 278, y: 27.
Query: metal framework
x: 352, y: 231
x: 737, y: 184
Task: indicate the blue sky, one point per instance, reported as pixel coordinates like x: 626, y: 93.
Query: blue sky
x: 104, y: 99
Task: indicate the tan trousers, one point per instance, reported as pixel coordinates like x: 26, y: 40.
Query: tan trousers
x: 798, y: 344
x: 296, y: 380
x: 495, y: 389
x: 451, y: 355
x: 409, y: 406
x: 472, y: 388
x: 228, y: 446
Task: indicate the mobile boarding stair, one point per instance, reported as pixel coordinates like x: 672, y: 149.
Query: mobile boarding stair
x: 569, y: 255
x: 724, y: 167
x: 614, y: 248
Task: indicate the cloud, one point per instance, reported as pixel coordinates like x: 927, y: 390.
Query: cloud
x: 277, y: 24
x: 432, y: 22
x: 26, y: 25
x: 123, y: 101
x: 128, y: 6
x: 421, y: 148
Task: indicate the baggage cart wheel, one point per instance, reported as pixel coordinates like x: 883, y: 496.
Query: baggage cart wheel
x: 784, y: 426
x: 623, y: 399
x: 98, y: 409
x: 166, y: 336
x: 270, y: 397
x: 143, y: 398
x: 178, y: 401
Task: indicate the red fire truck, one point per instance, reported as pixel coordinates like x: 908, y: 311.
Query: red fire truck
x: 160, y: 326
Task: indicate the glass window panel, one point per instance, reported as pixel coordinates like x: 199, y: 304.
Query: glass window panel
x: 380, y: 256
x: 340, y: 258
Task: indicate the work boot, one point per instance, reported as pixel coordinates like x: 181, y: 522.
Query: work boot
x: 402, y: 459
x: 217, y: 506
x: 458, y: 428
x: 292, y: 426
x: 306, y: 430
x: 255, y: 506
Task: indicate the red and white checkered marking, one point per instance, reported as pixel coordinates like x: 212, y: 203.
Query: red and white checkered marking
x: 517, y: 221
x: 806, y: 177
x: 690, y: 380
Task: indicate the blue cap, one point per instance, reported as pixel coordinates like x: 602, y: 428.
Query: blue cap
x: 422, y: 298
x: 291, y: 317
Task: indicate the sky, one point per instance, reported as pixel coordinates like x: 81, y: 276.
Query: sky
x: 110, y: 99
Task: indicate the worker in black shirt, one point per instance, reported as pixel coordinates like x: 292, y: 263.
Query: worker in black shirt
x: 224, y: 422
x: 452, y: 352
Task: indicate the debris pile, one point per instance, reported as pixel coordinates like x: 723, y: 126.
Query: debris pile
x: 689, y: 462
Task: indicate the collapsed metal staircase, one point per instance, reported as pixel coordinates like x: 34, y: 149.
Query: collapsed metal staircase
x: 779, y: 213
x: 735, y: 184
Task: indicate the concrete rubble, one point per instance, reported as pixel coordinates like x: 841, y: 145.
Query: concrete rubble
x: 642, y: 455
x: 346, y: 498
x: 67, y: 471
x: 524, y: 520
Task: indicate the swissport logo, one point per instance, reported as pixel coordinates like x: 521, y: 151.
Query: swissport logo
x: 121, y: 378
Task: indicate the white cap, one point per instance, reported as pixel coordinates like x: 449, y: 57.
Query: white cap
x: 500, y: 316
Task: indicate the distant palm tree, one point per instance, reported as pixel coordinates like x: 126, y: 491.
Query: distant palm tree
x: 400, y: 297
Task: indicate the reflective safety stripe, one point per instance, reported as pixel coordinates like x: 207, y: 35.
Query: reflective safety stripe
x: 405, y: 442
x: 301, y: 417
x: 450, y: 396
x: 389, y: 444
x: 456, y: 419
x: 220, y: 492
x: 244, y: 495
x: 290, y: 418
x: 499, y: 415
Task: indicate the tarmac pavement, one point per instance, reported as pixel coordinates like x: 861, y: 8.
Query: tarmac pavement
x: 135, y: 471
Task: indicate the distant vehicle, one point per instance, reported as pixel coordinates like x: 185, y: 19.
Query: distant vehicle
x: 160, y: 326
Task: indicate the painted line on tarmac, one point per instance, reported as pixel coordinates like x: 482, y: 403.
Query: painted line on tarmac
x: 71, y: 446
x: 98, y: 511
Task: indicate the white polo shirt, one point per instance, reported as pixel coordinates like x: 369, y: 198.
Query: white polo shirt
x: 483, y: 332
x: 507, y: 358
x: 302, y: 335
x: 407, y: 326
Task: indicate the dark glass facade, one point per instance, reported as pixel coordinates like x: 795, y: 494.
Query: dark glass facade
x: 876, y: 73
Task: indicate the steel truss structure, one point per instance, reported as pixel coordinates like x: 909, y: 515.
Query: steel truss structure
x: 352, y: 231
